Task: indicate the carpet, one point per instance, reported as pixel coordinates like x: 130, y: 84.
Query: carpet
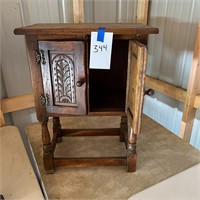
x: 160, y: 154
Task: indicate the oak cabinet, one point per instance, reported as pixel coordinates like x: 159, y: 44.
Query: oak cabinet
x: 64, y: 84
x: 64, y: 76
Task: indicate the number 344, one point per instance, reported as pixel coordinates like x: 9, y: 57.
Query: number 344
x: 99, y: 48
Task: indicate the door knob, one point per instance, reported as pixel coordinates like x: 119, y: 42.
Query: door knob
x: 80, y: 83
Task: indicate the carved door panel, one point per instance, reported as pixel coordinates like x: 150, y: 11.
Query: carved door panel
x: 64, y: 77
x: 135, y: 84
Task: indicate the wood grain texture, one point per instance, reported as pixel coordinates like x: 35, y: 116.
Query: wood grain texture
x: 91, y: 132
x: 36, y: 76
x: 2, y: 120
x: 192, y: 91
x: 135, y: 84
x: 85, y: 28
x: 16, y: 103
x: 78, y: 11
x: 88, y: 161
x: 197, y: 102
x: 65, y: 96
x: 170, y: 90
x: 165, y: 88
x: 53, y: 75
x: 142, y: 11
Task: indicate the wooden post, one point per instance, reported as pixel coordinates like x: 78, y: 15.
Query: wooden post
x: 57, y: 128
x: 192, y: 91
x: 142, y: 17
x: 78, y: 11
x: 123, y: 128
x: 197, y: 102
x: 142, y: 11
x: 2, y: 120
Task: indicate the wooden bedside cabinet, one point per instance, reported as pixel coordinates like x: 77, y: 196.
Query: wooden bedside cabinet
x: 64, y: 84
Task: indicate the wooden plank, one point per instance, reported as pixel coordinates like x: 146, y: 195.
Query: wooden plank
x: 135, y: 83
x: 2, y: 120
x: 142, y: 11
x: 16, y: 103
x: 91, y: 132
x: 192, y: 91
x: 170, y: 90
x: 126, y: 29
x: 197, y: 102
x: 106, y: 113
x: 166, y: 88
x: 85, y: 162
x: 78, y: 11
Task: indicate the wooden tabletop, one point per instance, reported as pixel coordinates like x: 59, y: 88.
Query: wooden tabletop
x: 85, y: 28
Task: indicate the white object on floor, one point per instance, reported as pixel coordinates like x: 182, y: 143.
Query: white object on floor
x: 182, y: 186
x: 18, y: 180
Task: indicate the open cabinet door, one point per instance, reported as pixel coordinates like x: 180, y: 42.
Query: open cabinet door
x: 135, y: 82
x: 134, y: 98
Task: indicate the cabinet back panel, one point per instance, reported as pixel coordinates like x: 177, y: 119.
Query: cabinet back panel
x: 107, y: 88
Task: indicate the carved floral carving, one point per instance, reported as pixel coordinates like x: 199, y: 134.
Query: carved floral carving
x: 63, y: 78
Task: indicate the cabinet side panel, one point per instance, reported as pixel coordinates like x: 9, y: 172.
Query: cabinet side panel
x: 36, y: 76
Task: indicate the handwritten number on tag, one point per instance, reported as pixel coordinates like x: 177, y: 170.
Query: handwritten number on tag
x: 99, y: 48
x: 100, y: 52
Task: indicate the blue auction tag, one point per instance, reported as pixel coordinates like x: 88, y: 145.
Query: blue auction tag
x: 100, y: 34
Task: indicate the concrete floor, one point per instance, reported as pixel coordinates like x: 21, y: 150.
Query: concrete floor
x: 161, y: 154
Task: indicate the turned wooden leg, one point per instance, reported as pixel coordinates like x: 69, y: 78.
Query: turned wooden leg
x: 48, y: 159
x: 47, y: 148
x: 131, y: 152
x: 123, y: 128
x: 57, y: 129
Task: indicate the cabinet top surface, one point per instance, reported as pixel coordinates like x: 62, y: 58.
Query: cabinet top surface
x: 85, y: 28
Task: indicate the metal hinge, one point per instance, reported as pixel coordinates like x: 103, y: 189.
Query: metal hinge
x: 44, y: 100
x: 39, y: 56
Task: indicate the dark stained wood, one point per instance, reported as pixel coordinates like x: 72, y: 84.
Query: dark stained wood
x: 57, y: 129
x: 123, y: 128
x: 109, y: 112
x: 91, y: 132
x: 57, y: 76
x: 36, y: 77
x: 48, y: 161
x: 107, y: 91
x: 131, y: 151
x: 131, y: 162
x: 90, y: 161
x: 85, y: 28
x: 64, y: 85
x: 45, y: 133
